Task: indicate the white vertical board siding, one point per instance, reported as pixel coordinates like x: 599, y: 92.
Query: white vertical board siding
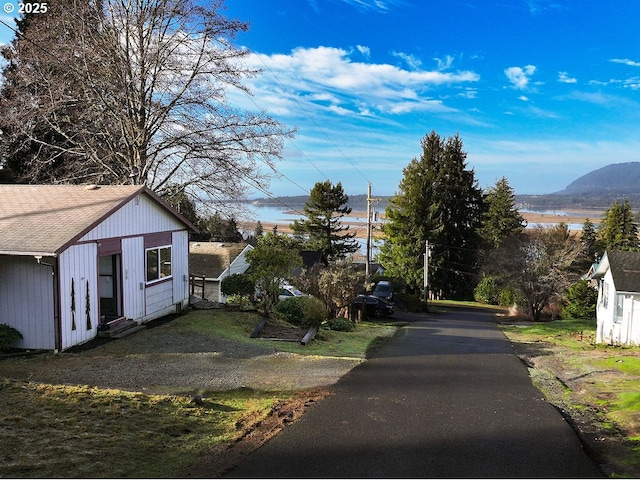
x: 635, y: 321
x: 79, y: 272
x: 133, y: 278
x: 139, y: 216
x: 26, y: 300
x: 180, y: 267
x: 605, y: 313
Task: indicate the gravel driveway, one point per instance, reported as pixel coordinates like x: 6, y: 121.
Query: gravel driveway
x: 160, y: 360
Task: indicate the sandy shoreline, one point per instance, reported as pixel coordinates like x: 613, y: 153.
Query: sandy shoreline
x: 357, y: 223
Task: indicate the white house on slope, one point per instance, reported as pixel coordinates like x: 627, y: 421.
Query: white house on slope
x: 618, y: 307
x: 73, y: 257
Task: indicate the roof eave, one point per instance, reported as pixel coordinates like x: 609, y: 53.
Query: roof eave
x: 17, y: 253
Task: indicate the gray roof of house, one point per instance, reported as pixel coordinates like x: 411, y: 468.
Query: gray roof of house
x: 210, y: 259
x: 625, y: 269
x: 46, y: 219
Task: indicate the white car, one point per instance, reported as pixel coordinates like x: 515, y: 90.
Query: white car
x: 289, y: 291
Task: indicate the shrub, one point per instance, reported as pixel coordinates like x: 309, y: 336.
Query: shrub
x: 301, y: 311
x: 340, y: 324
x: 509, y: 297
x: 237, y: 284
x: 581, y: 300
x: 8, y: 335
x: 315, y: 312
x: 241, y: 300
x: 290, y: 310
x: 487, y: 291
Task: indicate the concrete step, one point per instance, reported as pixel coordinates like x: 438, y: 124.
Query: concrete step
x: 120, y: 328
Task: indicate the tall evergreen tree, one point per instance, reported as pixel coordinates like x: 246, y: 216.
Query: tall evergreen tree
x: 322, y: 227
x: 501, y: 218
x: 589, y: 240
x: 618, y: 229
x: 438, y: 201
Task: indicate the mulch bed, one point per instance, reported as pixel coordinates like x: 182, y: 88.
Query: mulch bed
x: 281, y: 332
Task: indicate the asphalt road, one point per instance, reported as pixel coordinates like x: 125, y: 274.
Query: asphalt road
x: 447, y: 397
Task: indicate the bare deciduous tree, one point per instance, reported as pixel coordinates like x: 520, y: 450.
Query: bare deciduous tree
x: 539, y: 262
x: 135, y: 91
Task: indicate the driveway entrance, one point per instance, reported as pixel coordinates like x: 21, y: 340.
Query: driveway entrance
x: 447, y: 397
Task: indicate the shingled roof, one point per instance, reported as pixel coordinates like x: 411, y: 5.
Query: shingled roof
x: 625, y: 269
x: 45, y: 219
x: 210, y: 259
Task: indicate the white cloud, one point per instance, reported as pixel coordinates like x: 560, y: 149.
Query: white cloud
x: 411, y: 60
x: 538, y: 6
x: 444, y: 64
x: 329, y: 76
x: 563, y: 77
x: 380, y: 6
x: 632, y: 83
x: 626, y: 61
x: 365, y: 51
x: 523, y: 98
x: 519, y: 76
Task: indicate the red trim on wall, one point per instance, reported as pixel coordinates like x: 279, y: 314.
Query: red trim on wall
x: 157, y: 239
x: 110, y: 246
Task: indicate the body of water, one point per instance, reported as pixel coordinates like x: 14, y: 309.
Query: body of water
x: 285, y: 216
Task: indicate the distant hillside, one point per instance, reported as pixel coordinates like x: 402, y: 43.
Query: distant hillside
x: 620, y: 178
x: 597, y: 189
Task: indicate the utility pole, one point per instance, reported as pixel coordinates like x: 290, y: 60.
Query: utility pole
x: 369, y: 212
x: 427, y: 254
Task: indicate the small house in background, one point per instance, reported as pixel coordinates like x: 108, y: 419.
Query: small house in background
x: 310, y: 258
x: 211, y: 262
x: 618, y: 307
x: 74, y: 259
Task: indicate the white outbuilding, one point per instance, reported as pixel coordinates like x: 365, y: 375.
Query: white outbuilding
x: 618, y: 307
x: 75, y: 258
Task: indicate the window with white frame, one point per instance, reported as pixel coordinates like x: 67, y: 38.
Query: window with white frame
x: 158, y: 261
x: 619, y: 308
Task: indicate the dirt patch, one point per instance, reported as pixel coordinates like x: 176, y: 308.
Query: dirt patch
x: 570, y: 383
x: 215, y: 462
x: 274, y: 331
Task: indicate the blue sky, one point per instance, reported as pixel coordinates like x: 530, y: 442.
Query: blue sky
x: 540, y: 91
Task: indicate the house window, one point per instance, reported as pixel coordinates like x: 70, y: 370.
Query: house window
x: 619, y: 308
x: 158, y: 263
x: 605, y: 294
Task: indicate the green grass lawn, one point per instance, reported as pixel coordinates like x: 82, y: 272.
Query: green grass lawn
x: 238, y: 326
x: 80, y: 431
x: 611, y: 375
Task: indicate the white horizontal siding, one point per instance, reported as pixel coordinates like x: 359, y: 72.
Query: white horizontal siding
x: 26, y: 300
x: 158, y: 300
x: 139, y: 216
x: 79, y: 271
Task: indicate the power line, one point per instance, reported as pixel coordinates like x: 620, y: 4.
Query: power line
x: 306, y: 112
